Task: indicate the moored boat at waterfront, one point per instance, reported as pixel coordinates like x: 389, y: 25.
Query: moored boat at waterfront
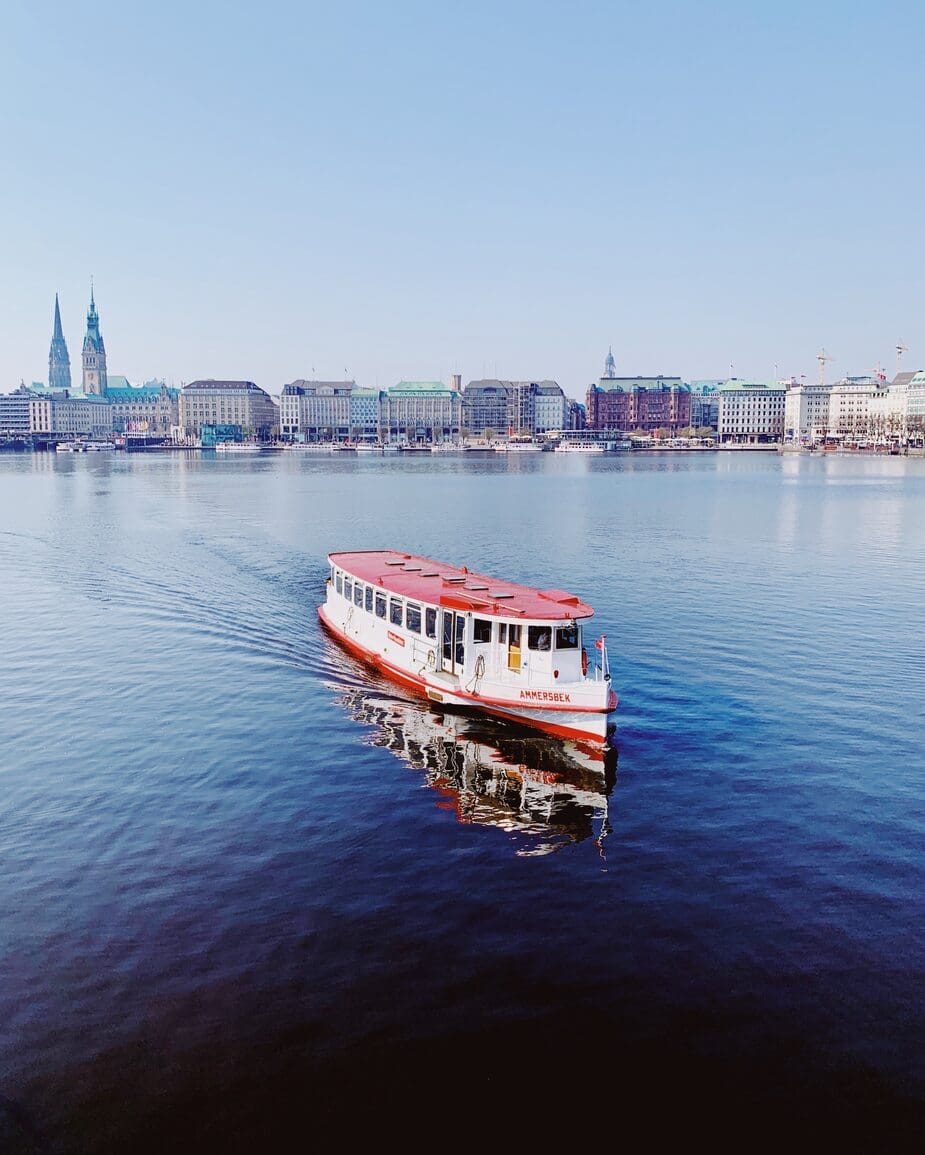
x: 518, y: 447
x: 83, y: 446
x: 580, y: 447
x: 468, y: 641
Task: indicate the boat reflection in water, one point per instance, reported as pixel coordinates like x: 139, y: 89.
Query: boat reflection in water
x: 544, y: 792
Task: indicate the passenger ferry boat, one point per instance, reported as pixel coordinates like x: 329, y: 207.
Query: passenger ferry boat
x: 83, y: 446
x: 518, y: 447
x: 580, y: 447
x: 464, y: 640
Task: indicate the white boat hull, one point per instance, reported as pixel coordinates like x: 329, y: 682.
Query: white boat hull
x: 578, y: 709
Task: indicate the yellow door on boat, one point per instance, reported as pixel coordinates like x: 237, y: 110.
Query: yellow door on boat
x: 513, y: 648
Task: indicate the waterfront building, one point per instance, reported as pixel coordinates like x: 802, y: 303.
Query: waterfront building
x: 705, y: 404
x: 39, y: 414
x: 227, y: 403
x: 316, y: 410
x: 148, y: 408
x: 915, y: 405
x: 14, y: 412
x: 59, y: 363
x: 750, y: 412
x: 420, y: 412
x: 576, y: 415
x: 639, y: 403
x: 806, y: 411
x: 888, y: 410
x: 24, y: 412
x: 487, y: 408
x: 94, y: 354
x: 551, y: 409
x: 853, y: 402
x: 508, y: 408
x: 80, y: 416
x: 364, y: 414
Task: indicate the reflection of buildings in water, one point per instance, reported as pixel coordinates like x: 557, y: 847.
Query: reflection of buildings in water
x: 546, y: 793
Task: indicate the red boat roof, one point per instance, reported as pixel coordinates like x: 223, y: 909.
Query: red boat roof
x: 456, y: 588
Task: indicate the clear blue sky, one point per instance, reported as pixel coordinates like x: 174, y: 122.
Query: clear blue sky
x: 403, y: 190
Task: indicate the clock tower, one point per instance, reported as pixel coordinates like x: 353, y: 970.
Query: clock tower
x: 94, y: 353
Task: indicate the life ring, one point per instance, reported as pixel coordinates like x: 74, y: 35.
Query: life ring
x: 584, y: 661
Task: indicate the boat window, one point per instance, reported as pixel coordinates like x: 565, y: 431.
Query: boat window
x: 481, y: 630
x: 502, y: 632
x: 339, y: 582
x: 567, y: 638
x: 369, y: 599
x: 430, y: 622
x: 348, y: 589
x: 395, y: 611
x: 539, y: 637
x: 380, y: 605
x: 358, y: 594
x: 332, y: 575
x: 413, y: 618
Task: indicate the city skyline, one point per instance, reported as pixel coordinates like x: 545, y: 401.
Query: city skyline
x: 500, y: 192
x: 59, y: 363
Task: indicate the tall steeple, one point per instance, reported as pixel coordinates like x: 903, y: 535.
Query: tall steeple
x: 94, y: 352
x: 610, y: 368
x: 59, y: 363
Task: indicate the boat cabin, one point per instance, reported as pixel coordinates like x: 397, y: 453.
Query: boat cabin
x: 444, y: 619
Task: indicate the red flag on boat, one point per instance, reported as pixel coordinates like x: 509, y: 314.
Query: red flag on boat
x: 599, y: 644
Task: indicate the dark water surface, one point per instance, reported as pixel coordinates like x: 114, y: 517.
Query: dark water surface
x: 253, y: 898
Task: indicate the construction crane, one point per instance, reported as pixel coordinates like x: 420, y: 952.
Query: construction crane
x: 900, y: 349
x: 822, y: 358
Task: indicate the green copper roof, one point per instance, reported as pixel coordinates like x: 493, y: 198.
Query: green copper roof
x: 420, y: 387
x: 137, y: 393
x: 733, y: 385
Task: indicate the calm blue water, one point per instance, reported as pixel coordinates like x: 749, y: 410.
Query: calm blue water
x: 249, y: 891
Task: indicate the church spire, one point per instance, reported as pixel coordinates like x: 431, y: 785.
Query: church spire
x: 59, y: 363
x: 610, y: 368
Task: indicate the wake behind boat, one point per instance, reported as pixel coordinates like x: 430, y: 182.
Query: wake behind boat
x: 464, y: 640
